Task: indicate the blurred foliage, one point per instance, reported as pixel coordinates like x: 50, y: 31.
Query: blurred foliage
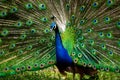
x: 53, y: 74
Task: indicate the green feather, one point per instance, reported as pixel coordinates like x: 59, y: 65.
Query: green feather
x: 68, y: 40
x: 89, y: 30
x: 3, y: 13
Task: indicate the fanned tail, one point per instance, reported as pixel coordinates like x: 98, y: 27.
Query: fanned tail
x: 26, y: 42
x: 96, y: 42
x: 90, y: 32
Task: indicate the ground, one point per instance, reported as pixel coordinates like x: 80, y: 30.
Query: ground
x: 49, y: 74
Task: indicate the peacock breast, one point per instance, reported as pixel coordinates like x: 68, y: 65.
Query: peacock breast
x: 63, y: 57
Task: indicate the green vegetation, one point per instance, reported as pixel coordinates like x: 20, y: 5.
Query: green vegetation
x: 53, y: 74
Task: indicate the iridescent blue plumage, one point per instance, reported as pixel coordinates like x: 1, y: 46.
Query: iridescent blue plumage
x: 63, y: 61
x: 61, y: 53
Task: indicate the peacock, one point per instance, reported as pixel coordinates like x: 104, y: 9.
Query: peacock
x: 78, y: 36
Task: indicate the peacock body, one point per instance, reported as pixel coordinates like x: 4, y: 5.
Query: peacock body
x: 85, y: 36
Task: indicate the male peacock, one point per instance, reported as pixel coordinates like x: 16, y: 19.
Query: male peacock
x: 86, y: 38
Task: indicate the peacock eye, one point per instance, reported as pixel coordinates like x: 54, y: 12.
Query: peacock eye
x: 54, y: 27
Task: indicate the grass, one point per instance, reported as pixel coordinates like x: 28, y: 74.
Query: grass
x: 49, y: 74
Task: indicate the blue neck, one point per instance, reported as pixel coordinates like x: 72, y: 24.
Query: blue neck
x: 58, y: 40
x: 61, y: 53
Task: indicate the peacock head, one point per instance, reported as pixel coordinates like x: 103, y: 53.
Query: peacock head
x: 53, y: 26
